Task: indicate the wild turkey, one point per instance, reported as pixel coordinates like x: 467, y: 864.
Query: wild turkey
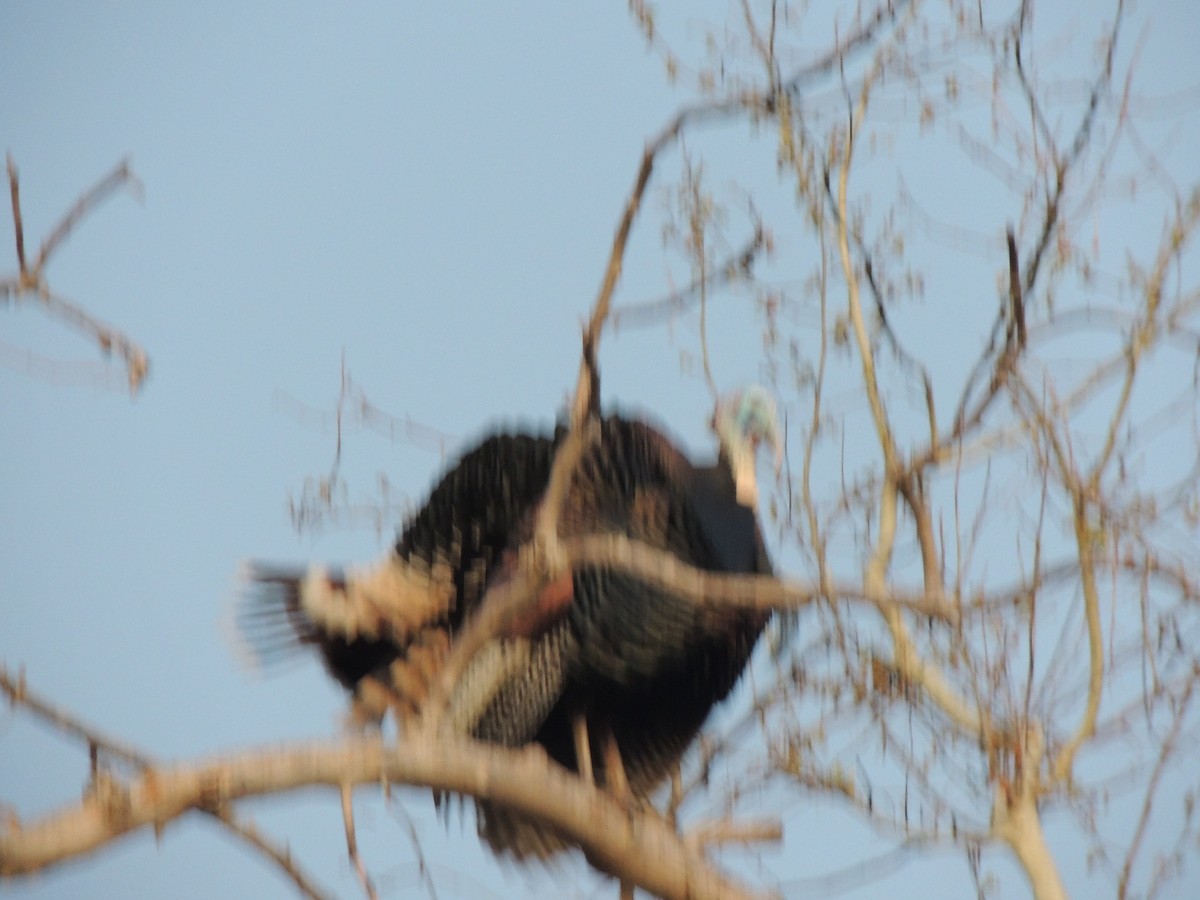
x: 641, y: 666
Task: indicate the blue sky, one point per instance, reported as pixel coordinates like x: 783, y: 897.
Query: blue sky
x: 430, y: 193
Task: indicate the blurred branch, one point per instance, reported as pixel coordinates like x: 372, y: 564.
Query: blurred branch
x: 19, y: 695
x: 119, y: 177
x: 1170, y: 742
x: 31, y: 280
x: 544, y: 558
x: 103, y: 783
x: 631, y: 845
x: 765, y: 831
x: 360, y: 869
x: 736, y: 266
x: 507, y: 601
x: 765, y: 592
x: 14, y: 192
x: 908, y: 660
x: 281, y: 855
x: 322, y: 500
x: 1085, y: 490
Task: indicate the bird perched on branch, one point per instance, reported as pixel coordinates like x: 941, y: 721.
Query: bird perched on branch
x: 637, y: 664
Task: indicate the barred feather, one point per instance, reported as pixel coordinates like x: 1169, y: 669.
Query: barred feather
x: 635, y: 660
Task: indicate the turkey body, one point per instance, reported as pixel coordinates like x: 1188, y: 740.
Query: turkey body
x: 640, y: 665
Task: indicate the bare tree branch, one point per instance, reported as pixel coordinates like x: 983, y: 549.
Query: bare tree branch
x: 630, y: 845
x: 32, y: 279
x: 21, y: 696
x: 765, y: 592
x: 360, y: 869
x: 652, y: 312
x: 120, y: 177
x: 14, y: 192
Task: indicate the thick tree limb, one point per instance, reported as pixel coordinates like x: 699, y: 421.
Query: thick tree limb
x: 627, y: 844
x: 18, y: 694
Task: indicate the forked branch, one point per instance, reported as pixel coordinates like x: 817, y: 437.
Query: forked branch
x: 101, y: 745
x: 629, y: 844
x: 30, y: 280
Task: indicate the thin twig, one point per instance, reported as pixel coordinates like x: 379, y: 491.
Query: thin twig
x: 1167, y: 750
x: 1016, y: 337
x: 14, y: 192
x: 547, y: 560
x: 765, y: 831
x: 109, y: 339
x: 651, y: 312
x: 282, y: 855
x: 119, y: 177
x: 32, y: 279
x: 364, y: 877
x: 20, y: 695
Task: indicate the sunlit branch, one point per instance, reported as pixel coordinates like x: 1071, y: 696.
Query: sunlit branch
x: 816, y: 537
x: 853, y: 299
x: 20, y: 695
x: 705, y: 834
x: 638, y: 847
x: 505, y: 602
x: 907, y: 659
x: 1083, y: 489
x: 764, y: 592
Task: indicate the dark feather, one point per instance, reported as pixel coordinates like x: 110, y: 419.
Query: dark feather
x: 642, y: 662
x: 639, y: 662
